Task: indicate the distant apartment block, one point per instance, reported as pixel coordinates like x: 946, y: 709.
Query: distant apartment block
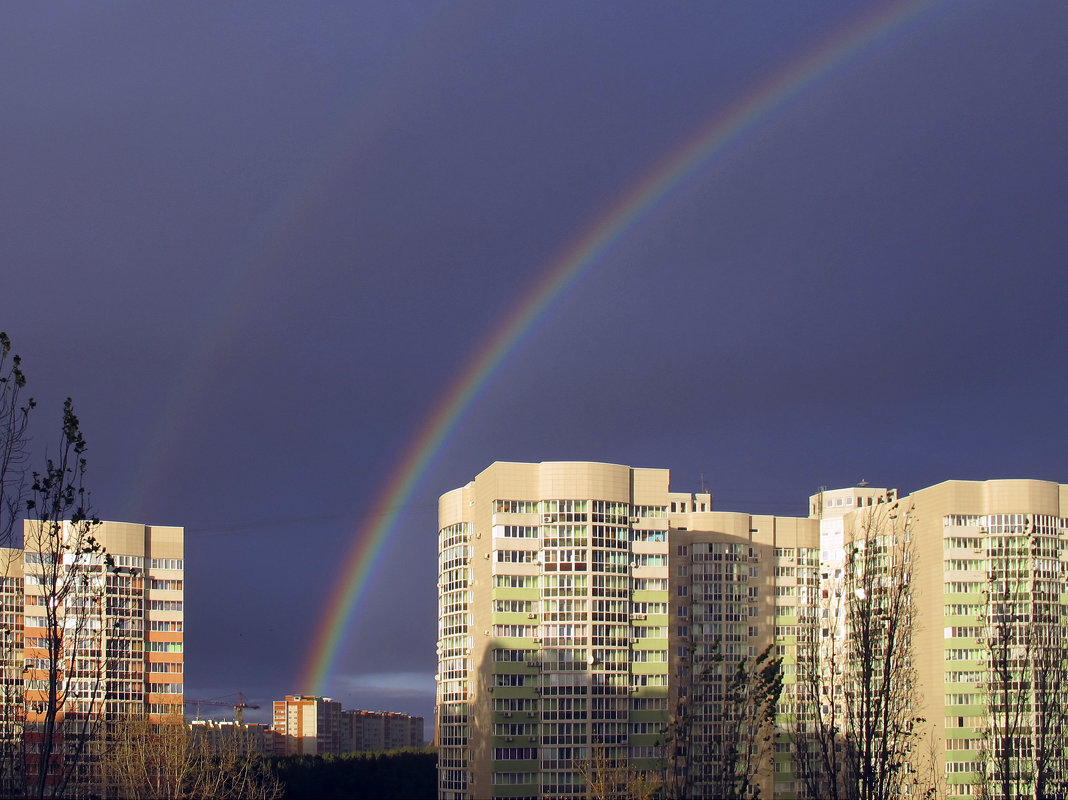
x: 238, y: 737
x: 379, y: 730
x: 318, y: 725
x: 310, y: 725
x: 117, y: 641
x: 574, y: 600
x: 571, y: 596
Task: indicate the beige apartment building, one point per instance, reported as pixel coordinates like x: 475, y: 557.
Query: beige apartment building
x: 577, y: 599
x: 118, y: 639
x: 573, y: 598
x: 991, y: 594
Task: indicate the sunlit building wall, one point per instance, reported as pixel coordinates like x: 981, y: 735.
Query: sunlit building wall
x: 309, y: 725
x: 121, y: 628
x: 379, y: 730
x: 575, y: 600
x: 991, y: 559
x: 571, y: 597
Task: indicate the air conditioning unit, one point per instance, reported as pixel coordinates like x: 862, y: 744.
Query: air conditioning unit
x: 532, y: 663
x: 485, y: 555
x: 548, y: 518
x: 537, y: 640
x: 507, y: 713
x: 637, y: 616
x: 532, y: 615
x: 634, y: 520
x: 635, y: 641
x: 508, y: 739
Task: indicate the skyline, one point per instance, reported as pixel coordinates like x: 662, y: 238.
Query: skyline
x: 280, y: 286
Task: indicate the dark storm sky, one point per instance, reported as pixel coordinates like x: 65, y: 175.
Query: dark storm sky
x: 256, y: 242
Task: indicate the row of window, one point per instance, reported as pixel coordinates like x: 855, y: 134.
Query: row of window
x: 165, y: 605
x: 604, y: 510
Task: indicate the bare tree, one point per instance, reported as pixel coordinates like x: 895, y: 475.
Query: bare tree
x: 613, y: 778
x: 166, y: 760
x: 1009, y: 694
x: 14, y: 423
x: 855, y: 726
x: 721, y: 735
x: 65, y: 566
x: 14, y: 437
x: 231, y: 771
x: 879, y: 683
x: 12, y: 710
x: 817, y: 734
x: 1027, y: 668
x: 143, y: 758
x: 1050, y: 671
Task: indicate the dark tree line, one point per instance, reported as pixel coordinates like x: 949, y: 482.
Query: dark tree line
x: 397, y: 774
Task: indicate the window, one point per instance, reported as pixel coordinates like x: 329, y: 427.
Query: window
x: 167, y: 563
x: 164, y: 605
x: 516, y: 531
x: 515, y: 506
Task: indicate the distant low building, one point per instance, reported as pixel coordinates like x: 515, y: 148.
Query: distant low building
x: 245, y: 738
x: 379, y: 730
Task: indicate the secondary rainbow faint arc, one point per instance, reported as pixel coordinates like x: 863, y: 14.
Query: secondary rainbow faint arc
x: 607, y: 228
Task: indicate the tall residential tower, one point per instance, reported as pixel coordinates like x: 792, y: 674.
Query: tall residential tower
x: 572, y: 599
x: 579, y: 601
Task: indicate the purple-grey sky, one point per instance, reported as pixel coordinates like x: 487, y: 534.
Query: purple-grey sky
x: 256, y: 242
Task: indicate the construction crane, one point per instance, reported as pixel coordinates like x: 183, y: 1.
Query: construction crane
x: 238, y: 707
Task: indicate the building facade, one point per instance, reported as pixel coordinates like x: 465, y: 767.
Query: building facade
x: 309, y: 725
x: 991, y: 592
x: 95, y: 614
x: 585, y: 609
x: 574, y: 601
x: 364, y: 731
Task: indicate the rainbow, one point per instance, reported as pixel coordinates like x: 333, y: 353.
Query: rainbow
x: 574, y: 261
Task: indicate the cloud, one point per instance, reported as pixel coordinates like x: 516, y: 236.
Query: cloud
x: 391, y: 684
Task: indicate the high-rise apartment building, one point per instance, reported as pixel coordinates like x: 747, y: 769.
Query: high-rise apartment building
x: 309, y: 725
x: 113, y: 644
x: 573, y: 599
x: 578, y: 600
x: 991, y: 595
